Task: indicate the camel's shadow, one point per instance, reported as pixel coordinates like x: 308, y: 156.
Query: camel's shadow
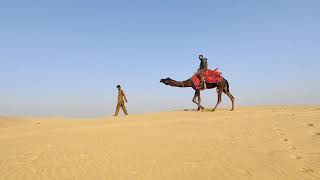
x: 196, y: 110
x: 205, y: 110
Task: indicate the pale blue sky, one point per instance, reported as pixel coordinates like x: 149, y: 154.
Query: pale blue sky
x: 64, y: 58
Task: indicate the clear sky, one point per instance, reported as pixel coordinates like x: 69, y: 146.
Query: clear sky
x: 64, y: 57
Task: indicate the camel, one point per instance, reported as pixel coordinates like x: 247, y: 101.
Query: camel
x: 222, y: 86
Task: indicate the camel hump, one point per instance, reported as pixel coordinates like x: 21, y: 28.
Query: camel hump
x: 210, y: 76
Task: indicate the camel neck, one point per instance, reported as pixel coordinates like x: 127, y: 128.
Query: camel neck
x: 186, y: 83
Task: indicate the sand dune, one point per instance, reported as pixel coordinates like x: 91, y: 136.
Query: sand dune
x: 265, y: 142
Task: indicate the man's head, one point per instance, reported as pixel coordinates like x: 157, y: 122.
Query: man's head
x: 200, y: 56
x: 118, y: 87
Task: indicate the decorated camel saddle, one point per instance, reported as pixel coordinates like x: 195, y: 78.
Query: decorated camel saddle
x: 210, y: 76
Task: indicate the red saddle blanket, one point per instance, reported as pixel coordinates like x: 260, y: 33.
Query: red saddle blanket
x: 210, y: 76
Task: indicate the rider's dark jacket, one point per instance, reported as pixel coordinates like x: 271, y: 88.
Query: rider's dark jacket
x: 203, y: 63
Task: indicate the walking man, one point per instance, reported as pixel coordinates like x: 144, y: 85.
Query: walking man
x: 121, y: 101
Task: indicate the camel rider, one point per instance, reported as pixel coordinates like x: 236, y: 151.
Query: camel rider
x: 202, y: 68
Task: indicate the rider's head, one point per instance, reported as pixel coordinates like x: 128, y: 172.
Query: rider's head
x: 200, y: 56
x: 118, y: 87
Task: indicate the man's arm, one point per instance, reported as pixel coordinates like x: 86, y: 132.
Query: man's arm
x: 124, y: 96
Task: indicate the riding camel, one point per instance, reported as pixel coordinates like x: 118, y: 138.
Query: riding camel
x: 222, y: 86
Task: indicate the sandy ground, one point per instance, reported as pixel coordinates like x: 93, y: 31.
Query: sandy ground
x: 266, y: 142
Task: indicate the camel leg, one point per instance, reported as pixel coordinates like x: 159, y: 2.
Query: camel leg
x: 219, y: 91
x: 199, y: 100
x: 194, y: 99
x: 231, y: 98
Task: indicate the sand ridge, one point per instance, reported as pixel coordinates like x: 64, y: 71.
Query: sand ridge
x: 263, y: 142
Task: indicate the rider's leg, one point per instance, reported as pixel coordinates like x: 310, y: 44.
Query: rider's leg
x: 203, y: 83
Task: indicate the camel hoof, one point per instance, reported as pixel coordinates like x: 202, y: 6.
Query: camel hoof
x: 213, y: 110
x: 198, y: 109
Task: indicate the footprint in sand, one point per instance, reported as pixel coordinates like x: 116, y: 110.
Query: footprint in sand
x: 291, y: 148
x: 310, y: 124
x: 315, y: 133
x: 295, y: 156
x: 306, y: 170
x: 281, y: 133
x: 245, y: 172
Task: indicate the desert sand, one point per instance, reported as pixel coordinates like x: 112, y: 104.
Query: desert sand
x: 262, y: 143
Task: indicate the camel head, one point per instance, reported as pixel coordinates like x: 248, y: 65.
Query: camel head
x: 165, y: 81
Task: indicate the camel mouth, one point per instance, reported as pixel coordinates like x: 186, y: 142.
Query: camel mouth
x: 163, y: 80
